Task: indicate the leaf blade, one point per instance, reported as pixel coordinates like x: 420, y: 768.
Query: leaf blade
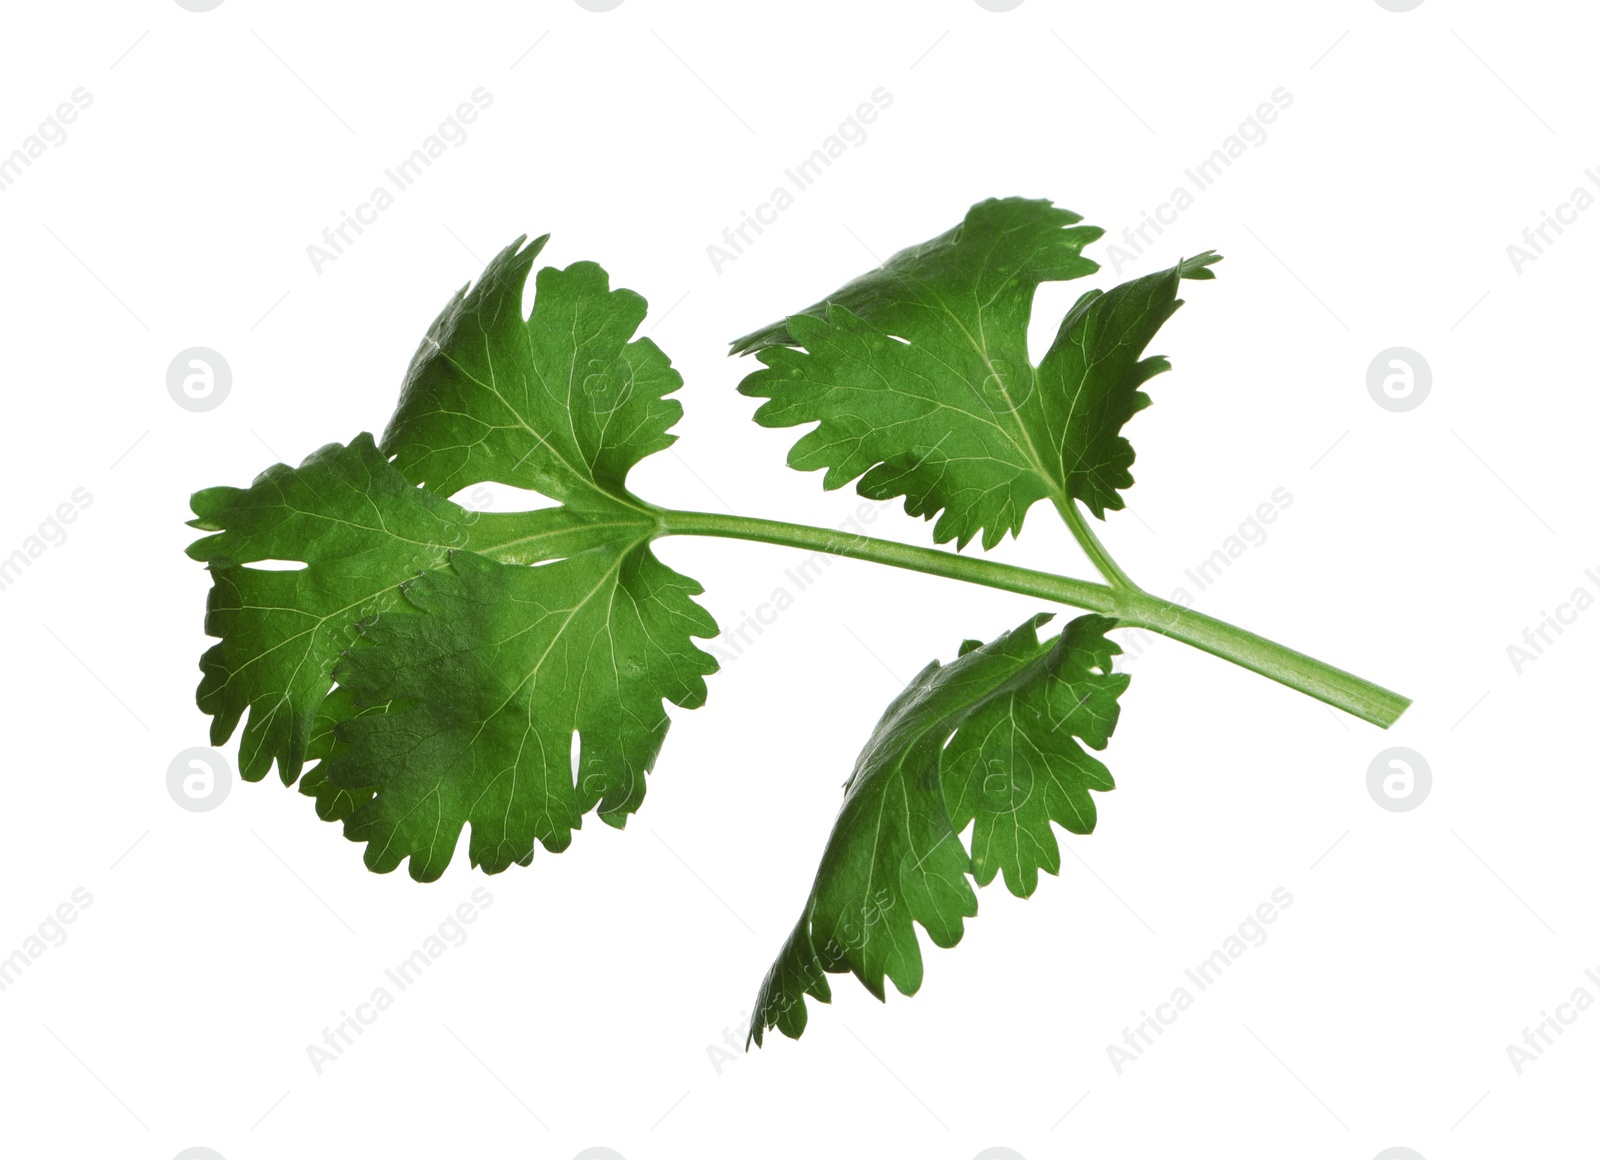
x: 894, y: 859
x: 916, y: 379
x: 360, y: 529
x: 489, y: 672
x: 564, y: 401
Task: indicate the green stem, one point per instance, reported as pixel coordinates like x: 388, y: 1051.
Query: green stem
x: 1091, y: 545
x: 1355, y: 695
x: 972, y: 569
x: 1128, y: 604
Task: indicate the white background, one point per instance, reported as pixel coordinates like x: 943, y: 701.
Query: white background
x: 580, y: 1011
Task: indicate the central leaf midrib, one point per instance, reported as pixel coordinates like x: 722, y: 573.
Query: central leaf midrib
x: 1056, y: 489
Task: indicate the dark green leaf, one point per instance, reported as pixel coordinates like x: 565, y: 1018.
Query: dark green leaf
x: 488, y: 672
x: 458, y: 704
x: 561, y: 402
x: 988, y: 738
x: 360, y: 529
x: 918, y: 379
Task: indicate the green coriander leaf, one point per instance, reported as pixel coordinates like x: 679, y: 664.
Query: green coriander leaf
x: 1016, y: 764
x: 1089, y: 380
x: 918, y: 380
x: 518, y: 637
x: 360, y: 529
x: 333, y: 804
x: 561, y: 402
x: 988, y: 267
x: 488, y: 672
x: 986, y: 739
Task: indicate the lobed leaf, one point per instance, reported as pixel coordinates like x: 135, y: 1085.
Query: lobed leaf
x: 918, y: 380
x: 488, y: 672
x: 360, y: 529
x: 563, y: 402
x: 463, y: 669
x: 987, y: 740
